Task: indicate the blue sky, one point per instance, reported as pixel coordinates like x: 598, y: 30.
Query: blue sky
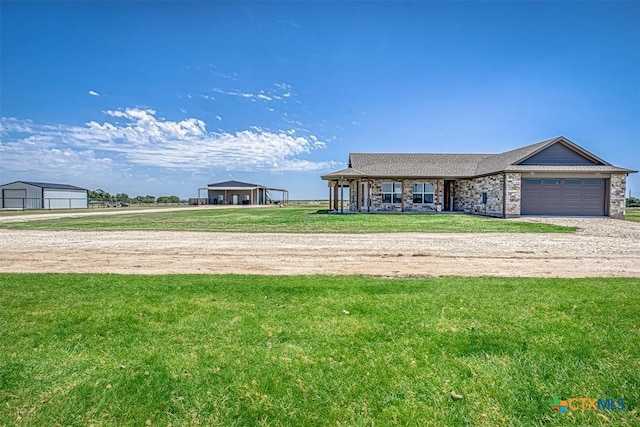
x: 162, y: 98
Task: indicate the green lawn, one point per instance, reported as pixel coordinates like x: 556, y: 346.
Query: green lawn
x: 632, y: 214
x: 287, y: 220
x: 258, y: 350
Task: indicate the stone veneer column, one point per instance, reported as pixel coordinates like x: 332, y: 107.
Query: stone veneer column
x: 513, y: 194
x: 617, y: 191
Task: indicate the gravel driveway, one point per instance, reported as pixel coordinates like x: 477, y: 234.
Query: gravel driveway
x: 603, y: 247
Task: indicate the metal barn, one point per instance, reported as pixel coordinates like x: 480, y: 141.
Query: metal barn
x: 42, y: 195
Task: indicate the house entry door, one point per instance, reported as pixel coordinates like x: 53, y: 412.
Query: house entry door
x: 364, y: 197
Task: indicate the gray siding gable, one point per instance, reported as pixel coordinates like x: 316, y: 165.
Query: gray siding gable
x: 559, y: 154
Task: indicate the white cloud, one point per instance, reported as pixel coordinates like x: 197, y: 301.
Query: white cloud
x: 93, y: 93
x: 219, y: 118
x: 264, y: 97
x: 137, y: 137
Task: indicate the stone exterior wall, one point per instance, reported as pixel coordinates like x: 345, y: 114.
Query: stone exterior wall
x: 617, y: 191
x: 468, y: 195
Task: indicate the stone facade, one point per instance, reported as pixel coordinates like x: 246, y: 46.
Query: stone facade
x: 469, y: 195
x: 512, y: 195
x: 617, y: 190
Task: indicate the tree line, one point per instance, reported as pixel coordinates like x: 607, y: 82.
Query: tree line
x: 100, y: 195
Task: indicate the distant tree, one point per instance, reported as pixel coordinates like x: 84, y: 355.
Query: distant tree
x: 100, y: 195
x: 122, y: 197
x: 633, y: 202
x: 168, y: 199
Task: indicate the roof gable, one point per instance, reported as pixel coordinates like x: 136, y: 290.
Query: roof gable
x: 562, y: 153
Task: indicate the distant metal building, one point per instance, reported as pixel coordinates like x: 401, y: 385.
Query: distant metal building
x: 42, y: 195
x: 240, y: 193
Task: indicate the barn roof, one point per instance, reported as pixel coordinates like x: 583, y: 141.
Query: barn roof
x: 50, y: 185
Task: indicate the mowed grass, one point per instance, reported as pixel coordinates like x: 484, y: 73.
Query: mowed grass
x: 286, y: 220
x: 632, y: 214
x: 260, y: 350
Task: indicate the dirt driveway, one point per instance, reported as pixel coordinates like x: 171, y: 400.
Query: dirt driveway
x: 603, y: 247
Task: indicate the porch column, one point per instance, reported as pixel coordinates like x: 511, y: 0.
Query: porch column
x: 335, y: 196
x: 330, y: 195
x: 358, y: 196
x: 341, y: 198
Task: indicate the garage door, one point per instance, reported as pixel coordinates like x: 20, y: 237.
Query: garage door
x: 14, y: 198
x: 563, y: 196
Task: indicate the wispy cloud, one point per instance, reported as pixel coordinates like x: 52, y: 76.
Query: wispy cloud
x: 93, y: 93
x: 137, y: 137
x: 278, y: 92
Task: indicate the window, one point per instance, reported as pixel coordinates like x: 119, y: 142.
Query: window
x: 391, y: 192
x: 422, y: 192
x: 572, y: 181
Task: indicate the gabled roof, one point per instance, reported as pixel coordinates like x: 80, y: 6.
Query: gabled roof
x: 50, y: 185
x: 408, y: 165
x: 233, y: 184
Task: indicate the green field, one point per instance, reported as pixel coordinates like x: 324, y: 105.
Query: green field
x: 632, y: 214
x: 286, y: 220
x: 254, y: 350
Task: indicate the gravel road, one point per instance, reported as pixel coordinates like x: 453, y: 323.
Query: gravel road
x: 603, y: 247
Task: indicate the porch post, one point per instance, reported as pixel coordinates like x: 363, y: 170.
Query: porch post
x: 330, y: 196
x: 341, y: 197
x: 335, y: 196
x: 402, y: 195
x: 370, y: 193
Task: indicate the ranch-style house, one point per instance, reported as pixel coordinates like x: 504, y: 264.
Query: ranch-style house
x: 552, y: 177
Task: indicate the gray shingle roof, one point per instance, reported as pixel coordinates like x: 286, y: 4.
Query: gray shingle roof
x: 414, y: 164
x: 408, y: 165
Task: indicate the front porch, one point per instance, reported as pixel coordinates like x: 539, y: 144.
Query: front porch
x: 351, y: 195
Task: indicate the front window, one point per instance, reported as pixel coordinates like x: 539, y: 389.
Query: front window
x: 422, y: 192
x: 391, y: 192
